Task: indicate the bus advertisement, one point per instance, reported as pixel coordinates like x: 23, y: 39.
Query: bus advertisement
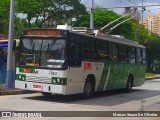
x: 55, y: 61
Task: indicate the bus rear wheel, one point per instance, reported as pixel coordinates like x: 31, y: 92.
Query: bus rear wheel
x: 88, y: 89
x: 46, y: 93
x: 129, y: 84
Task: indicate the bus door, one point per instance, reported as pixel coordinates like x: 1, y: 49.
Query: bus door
x: 76, y: 81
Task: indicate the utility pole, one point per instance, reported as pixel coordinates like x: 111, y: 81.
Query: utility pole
x: 9, y: 74
x: 142, y: 11
x: 92, y: 15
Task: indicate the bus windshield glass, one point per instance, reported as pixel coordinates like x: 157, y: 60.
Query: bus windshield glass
x: 42, y: 52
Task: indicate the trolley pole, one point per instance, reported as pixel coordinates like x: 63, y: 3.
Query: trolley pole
x: 10, y: 72
x: 92, y: 16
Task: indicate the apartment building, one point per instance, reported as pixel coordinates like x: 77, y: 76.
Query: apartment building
x: 153, y: 23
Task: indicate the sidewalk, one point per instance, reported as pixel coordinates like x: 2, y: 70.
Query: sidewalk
x: 157, y: 76
x: 14, y: 92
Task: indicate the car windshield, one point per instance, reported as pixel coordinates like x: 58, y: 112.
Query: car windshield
x: 42, y: 52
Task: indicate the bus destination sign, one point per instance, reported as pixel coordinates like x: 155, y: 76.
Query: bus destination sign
x: 51, y: 33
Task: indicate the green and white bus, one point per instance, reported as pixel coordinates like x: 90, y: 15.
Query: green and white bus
x: 55, y: 61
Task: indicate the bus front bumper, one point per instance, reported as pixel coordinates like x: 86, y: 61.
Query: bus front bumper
x: 42, y: 87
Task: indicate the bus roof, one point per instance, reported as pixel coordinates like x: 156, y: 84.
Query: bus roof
x: 111, y: 39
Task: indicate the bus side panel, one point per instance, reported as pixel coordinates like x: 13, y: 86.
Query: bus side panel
x: 108, y: 76
x: 139, y: 75
x: 75, y: 81
x: 114, y: 76
x: 78, y: 76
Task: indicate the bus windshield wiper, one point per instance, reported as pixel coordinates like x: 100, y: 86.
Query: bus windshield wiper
x: 33, y: 52
x: 39, y: 57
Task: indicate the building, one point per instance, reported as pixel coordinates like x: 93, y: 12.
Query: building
x: 153, y: 23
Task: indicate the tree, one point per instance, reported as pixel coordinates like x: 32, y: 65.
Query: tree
x: 4, y: 19
x: 19, y: 25
x: 29, y: 7
x: 52, y: 11
x: 4, y: 15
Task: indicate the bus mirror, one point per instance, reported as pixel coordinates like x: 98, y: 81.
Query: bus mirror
x: 14, y: 45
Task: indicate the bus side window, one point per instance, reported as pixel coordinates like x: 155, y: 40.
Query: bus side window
x: 131, y: 55
x: 102, y: 50
x: 122, y: 53
x: 89, y: 52
x: 75, y: 54
x: 143, y: 56
x: 113, y: 52
x: 138, y: 55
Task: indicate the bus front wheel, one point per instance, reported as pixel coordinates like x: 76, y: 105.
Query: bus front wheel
x: 129, y: 84
x: 88, y: 89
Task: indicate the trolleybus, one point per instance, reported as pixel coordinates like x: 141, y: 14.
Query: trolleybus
x: 55, y: 61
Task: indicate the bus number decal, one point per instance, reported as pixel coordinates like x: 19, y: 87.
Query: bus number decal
x: 87, y: 66
x: 53, y: 73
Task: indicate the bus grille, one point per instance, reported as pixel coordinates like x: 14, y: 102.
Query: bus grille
x: 38, y: 79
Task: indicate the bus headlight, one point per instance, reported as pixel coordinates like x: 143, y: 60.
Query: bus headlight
x: 54, y: 80
x: 20, y: 77
x: 59, y: 81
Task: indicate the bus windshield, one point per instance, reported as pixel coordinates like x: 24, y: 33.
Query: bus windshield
x: 42, y: 52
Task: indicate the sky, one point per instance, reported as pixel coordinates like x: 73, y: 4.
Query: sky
x: 150, y: 11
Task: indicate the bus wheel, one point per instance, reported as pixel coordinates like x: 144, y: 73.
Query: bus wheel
x: 46, y: 93
x: 88, y: 89
x: 129, y: 84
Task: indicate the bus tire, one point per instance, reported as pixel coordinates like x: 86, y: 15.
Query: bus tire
x: 46, y: 93
x: 89, y: 89
x: 129, y: 84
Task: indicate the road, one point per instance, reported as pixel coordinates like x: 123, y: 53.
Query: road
x: 143, y: 98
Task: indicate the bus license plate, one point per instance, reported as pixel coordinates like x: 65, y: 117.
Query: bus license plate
x: 37, y: 86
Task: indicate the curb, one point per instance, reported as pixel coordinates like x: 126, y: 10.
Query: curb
x: 15, y: 92
x: 152, y: 78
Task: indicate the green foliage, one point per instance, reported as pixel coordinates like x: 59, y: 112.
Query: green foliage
x: 4, y: 15
x: 101, y: 18
x: 19, y: 25
x: 45, y: 13
x: 152, y: 54
x: 50, y: 12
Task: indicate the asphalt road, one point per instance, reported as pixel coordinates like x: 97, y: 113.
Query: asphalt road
x: 143, y: 98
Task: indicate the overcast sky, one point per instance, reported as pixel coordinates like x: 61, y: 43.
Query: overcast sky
x: 125, y: 3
